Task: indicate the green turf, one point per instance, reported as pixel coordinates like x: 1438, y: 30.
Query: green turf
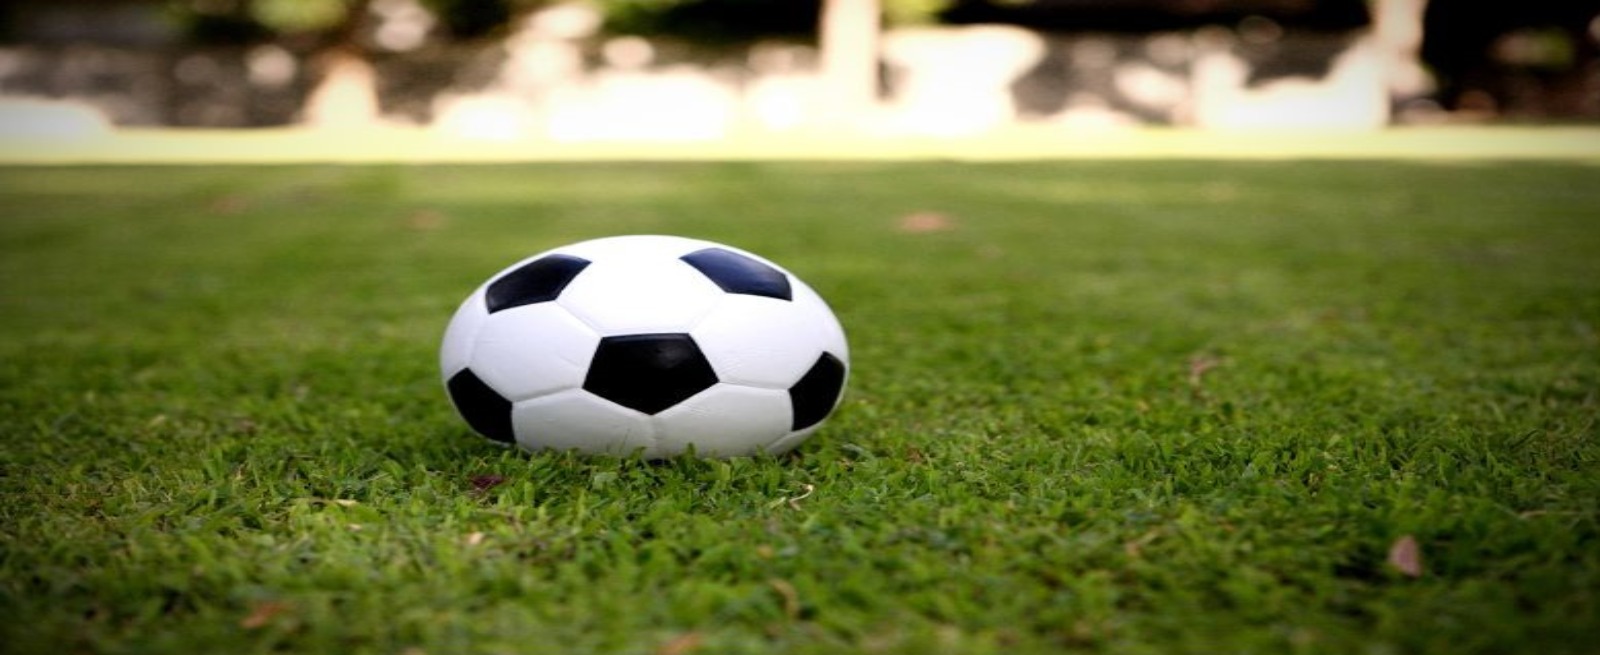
x: 1120, y: 407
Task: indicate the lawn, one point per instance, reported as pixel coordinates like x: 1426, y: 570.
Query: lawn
x: 1135, y: 406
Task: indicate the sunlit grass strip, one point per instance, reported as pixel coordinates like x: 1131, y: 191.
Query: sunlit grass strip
x: 294, y: 145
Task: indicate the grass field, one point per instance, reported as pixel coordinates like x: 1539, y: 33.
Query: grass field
x: 1128, y: 407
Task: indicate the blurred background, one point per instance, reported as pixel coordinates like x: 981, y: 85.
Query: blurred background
x: 634, y: 70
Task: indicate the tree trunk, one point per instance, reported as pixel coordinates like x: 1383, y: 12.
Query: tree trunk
x: 849, y: 45
x: 1397, y: 26
x: 346, y: 92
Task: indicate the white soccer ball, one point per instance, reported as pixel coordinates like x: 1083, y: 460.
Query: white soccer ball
x: 645, y: 345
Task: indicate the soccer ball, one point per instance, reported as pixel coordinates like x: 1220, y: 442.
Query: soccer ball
x: 647, y: 345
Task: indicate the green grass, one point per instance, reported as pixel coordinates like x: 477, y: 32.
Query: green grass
x: 1119, y: 407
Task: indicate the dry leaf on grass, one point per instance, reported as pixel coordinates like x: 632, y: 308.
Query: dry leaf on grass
x: 426, y: 220
x: 262, y: 614
x: 794, y: 502
x: 484, y: 483
x: 791, y: 598
x: 1199, y: 365
x: 229, y: 205
x: 926, y: 221
x: 1406, y: 556
x: 684, y: 643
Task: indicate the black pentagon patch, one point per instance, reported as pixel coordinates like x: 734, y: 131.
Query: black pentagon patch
x: 485, y: 410
x: 649, y: 372
x: 540, y: 280
x: 817, y: 391
x: 736, y: 273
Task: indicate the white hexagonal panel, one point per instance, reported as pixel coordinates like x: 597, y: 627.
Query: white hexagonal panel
x: 456, y: 348
x: 635, y: 247
x: 533, y: 350
x: 642, y: 294
x: 807, y: 300
x: 724, y: 421
x: 577, y: 419
x: 790, y: 441
x: 760, y: 341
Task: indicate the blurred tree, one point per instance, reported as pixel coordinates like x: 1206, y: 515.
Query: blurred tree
x: 848, y: 42
x: 1529, y: 58
x: 1139, y: 16
x: 846, y: 32
x: 236, y: 21
x: 335, y: 35
x: 714, y: 21
x: 469, y: 19
x: 740, y: 21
